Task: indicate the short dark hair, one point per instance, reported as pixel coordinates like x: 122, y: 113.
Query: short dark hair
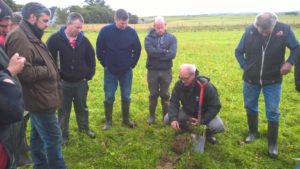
x: 74, y: 16
x: 34, y: 8
x: 5, y: 11
x: 121, y: 14
x: 16, y: 18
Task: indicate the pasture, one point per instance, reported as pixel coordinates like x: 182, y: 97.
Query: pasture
x: 212, y: 50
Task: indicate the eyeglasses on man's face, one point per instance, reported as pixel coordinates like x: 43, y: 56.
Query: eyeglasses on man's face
x: 185, y: 78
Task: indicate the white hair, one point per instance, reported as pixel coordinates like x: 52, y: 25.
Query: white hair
x: 159, y: 19
x: 265, y: 20
x: 191, y: 68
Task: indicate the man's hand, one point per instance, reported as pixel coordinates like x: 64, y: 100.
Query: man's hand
x: 175, y: 124
x: 16, y: 64
x: 193, y: 121
x: 286, y: 68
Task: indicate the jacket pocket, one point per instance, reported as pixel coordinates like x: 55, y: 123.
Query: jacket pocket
x: 46, y: 95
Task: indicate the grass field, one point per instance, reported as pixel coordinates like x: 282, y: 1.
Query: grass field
x: 200, y: 22
x: 142, y: 148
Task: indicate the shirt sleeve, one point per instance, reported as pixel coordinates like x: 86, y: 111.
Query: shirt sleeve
x: 293, y: 45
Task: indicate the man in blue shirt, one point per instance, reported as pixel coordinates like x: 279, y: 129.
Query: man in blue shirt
x: 260, y: 54
x: 118, y: 50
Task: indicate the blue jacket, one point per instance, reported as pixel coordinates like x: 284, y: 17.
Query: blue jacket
x: 75, y: 64
x: 161, y: 50
x: 118, y: 50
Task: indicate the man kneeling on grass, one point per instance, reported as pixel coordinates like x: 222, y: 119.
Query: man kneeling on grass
x: 187, y: 92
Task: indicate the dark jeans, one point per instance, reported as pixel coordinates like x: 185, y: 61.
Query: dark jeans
x: 216, y: 125
x: 158, y: 83
x: 271, y: 95
x: 74, y: 92
x: 111, y: 84
x: 45, y: 141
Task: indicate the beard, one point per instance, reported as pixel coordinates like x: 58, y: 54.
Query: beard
x: 37, y: 31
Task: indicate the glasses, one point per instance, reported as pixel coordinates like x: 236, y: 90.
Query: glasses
x: 185, y: 78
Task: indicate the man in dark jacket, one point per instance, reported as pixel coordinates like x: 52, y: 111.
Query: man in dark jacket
x: 41, y: 86
x: 11, y: 109
x: 14, y: 144
x: 118, y: 50
x: 260, y: 54
x: 161, y: 47
x: 76, y: 60
x: 184, y: 103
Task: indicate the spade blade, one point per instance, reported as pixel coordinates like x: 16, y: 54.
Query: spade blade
x: 199, y: 144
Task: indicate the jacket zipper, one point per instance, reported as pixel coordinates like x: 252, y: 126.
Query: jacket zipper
x: 263, y: 59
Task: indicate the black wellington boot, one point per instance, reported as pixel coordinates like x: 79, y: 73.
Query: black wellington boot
x: 164, y: 105
x: 253, y: 127
x: 210, y: 137
x: 152, y: 107
x: 125, y: 113
x: 272, y: 139
x: 108, y: 115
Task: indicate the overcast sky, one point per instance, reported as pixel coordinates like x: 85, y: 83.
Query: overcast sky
x: 185, y: 7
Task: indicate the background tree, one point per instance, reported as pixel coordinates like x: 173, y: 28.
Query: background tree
x: 11, y: 4
x: 19, y: 7
x: 62, y: 15
x: 94, y: 12
x: 95, y: 2
x: 133, y: 19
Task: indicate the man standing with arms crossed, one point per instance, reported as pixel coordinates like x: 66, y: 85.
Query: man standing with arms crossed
x: 118, y: 50
x: 161, y: 47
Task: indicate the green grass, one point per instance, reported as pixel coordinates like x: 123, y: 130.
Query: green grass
x: 219, y: 21
x: 142, y: 147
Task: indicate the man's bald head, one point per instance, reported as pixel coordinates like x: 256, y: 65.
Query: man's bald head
x: 159, y: 20
x: 160, y: 25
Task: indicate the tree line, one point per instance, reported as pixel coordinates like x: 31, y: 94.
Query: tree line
x: 95, y: 11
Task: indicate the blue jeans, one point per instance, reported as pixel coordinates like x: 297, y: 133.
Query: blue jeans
x: 271, y: 95
x: 45, y: 141
x: 111, y: 84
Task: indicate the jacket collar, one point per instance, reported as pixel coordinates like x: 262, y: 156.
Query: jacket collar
x: 64, y: 36
x: 29, y: 33
x: 154, y: 34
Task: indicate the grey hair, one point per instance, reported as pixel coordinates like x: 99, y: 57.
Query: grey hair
x: 34, y: 8
x: 265, y: 20
x: 191, y: 68
x: 121, y: 14
x: 74, y: 16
